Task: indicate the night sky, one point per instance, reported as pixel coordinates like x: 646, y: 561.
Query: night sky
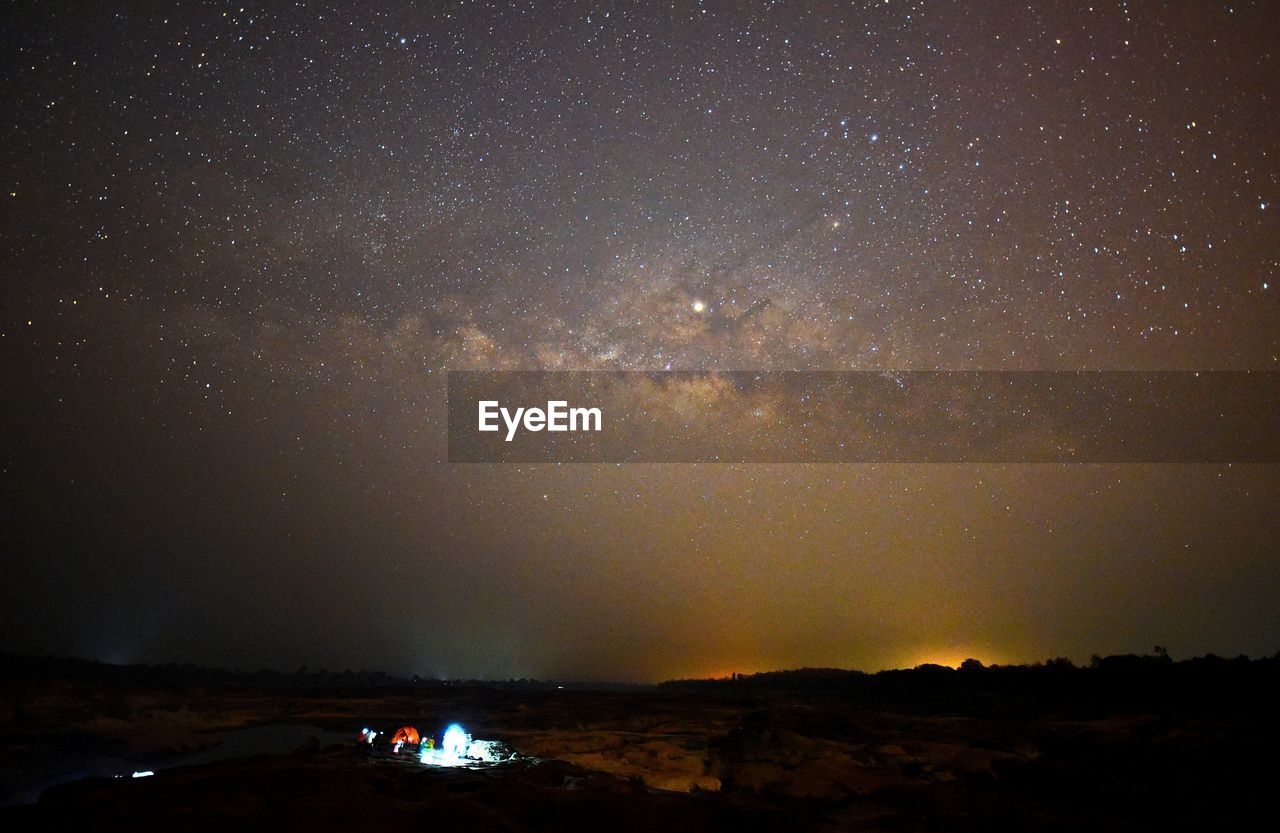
x: 243, y: 245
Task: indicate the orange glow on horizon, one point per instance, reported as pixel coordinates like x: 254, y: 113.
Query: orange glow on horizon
x: 949, y: 657
x: 723, y: 673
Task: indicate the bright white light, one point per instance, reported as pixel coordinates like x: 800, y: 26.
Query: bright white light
x: 459, y: 750
x: 488, y: 751
x: 143, y: 773
x: 699, y: 306
x: 456, y: 741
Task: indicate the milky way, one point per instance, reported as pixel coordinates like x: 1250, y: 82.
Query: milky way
x: 244, y: 245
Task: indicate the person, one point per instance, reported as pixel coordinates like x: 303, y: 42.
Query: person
x: 366, y: 742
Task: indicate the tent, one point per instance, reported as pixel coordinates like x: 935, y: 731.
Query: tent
x: 408, y: 734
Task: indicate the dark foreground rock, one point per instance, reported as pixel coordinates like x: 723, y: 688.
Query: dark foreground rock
x: 333, y: 790
x: 1155, y: 747
x: 943, y: 775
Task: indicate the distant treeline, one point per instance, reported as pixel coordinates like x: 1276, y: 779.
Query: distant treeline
x: 1104, y: 686
x: 53, y: 669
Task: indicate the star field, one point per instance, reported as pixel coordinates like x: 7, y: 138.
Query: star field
x: 245, y: 243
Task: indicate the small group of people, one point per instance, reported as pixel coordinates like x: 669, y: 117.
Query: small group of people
x: 404, y: 736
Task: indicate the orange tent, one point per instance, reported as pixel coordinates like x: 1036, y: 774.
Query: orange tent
x: 408, y: 734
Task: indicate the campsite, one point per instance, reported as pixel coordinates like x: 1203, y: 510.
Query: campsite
x: 1130, y: 743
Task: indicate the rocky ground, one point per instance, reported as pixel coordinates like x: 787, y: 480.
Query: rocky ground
x: 642, y: 760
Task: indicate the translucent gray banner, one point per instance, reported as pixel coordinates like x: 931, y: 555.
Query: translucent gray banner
x: 864, y: 417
